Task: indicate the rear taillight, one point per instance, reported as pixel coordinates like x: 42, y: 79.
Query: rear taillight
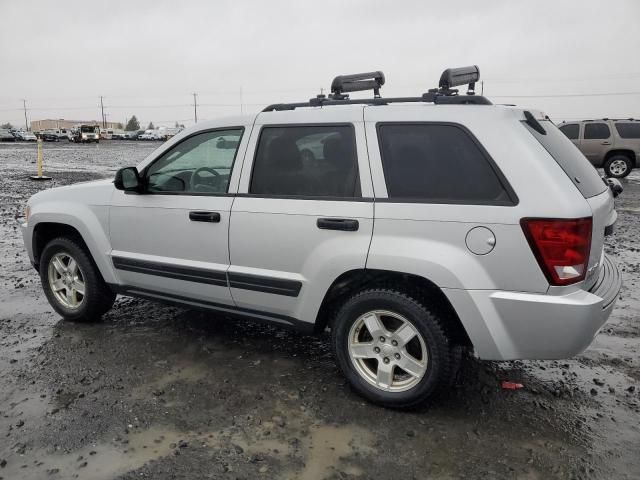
x: 561, y: 247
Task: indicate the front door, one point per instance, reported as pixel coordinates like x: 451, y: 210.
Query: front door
x: 304, y: 211
x: 172, y: 239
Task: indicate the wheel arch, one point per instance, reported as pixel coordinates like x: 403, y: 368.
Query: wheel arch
x: 417, y: 286
x: 46, y: 230
x: 630, y: 154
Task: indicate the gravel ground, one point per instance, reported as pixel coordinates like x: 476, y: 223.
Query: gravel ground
x: 166, y: 393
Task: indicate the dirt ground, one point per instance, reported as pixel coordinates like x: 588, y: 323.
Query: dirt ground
x: 165, y: 393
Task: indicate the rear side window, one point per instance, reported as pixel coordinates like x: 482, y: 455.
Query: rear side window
x: 596, y: 131
x: 628, y: 130
x: 571, y: 131
x: 584, y: 175
x: 438, y: 163
x: 306, y: 161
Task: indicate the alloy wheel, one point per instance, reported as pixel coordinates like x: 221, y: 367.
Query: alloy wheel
x: 388, y: 351
x: 66, y: 280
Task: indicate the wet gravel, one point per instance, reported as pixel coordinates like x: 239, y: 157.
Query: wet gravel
x: 160, y: 392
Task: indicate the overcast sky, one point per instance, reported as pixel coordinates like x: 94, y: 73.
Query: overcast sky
x: 147, y: 58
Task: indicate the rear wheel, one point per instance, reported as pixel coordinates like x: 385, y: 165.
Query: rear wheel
x: 392, y: 348
x: 618, y: 166
x: 72, y: 283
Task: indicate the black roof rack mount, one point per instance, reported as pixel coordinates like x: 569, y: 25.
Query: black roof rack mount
x: 342, y: 85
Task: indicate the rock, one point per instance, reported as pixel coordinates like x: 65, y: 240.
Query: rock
x: 238, y: 449
x: 631, y: 389
x: 279, y: 421
x: 20, y: 423
x: 411, y: 433
x: 594, y: 391
x: 3, y: 463
x: 598, y: 382
x: 263, y: 469
x: 182, y: 444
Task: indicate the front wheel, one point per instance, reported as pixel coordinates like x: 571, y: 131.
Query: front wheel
x: 72, y: 283
x: 392, y: 348
x: 618, y: 166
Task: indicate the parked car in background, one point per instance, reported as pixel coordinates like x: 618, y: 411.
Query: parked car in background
x: 6, y: 136
x: 131, y: 135
x: 471, y: 250
x: 25, y: 136
x: 85, y: 134
x: 48, y: 136
x: 117, y: 134
x: 165, y: 133
x: 150, y: 135
x: 611, y: 144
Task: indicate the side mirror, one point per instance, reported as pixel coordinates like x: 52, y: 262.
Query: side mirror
x: 128, y: 179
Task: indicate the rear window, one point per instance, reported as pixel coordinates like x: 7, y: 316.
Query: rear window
x: 438, y: 163
x: 628, y: 130
x: 596, y: 131
x: 584, y: 175
x: 571, y: 131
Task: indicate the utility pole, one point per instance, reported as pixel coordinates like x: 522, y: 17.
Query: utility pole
x: 195, y: 108
x: 104, y: 125
x: 26, y: 124
x: 482, y: 87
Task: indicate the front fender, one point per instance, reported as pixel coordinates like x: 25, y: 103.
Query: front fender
x: 91, y: 222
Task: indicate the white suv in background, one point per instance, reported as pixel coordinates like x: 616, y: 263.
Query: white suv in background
x: 411, y: 227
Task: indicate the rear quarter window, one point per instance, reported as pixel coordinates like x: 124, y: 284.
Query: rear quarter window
x: 583, y: 175
x: 439, y: 163
x: 571, y: 131
x: 628, y: 130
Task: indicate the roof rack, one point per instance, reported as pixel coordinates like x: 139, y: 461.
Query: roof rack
x: 358, y: 82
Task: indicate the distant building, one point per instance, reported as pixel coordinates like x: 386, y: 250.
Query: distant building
x: 48, y: 124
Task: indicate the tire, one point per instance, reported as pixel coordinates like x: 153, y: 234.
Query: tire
x: 351, y: 337
x: 97, y: 299
x: 618, y: 166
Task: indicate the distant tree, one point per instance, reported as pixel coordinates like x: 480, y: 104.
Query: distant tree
x: 7, y: 125
x: 150, y: 126
x: 132, y: 125
x: 177, y: 125
x: 119, y: 126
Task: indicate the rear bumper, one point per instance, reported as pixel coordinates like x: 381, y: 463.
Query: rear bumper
x: 540, y: 326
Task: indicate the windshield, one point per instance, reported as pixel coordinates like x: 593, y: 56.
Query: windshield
x: 87, y: 129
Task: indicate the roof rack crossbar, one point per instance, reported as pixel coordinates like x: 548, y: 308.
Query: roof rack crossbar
x: 357, y: 82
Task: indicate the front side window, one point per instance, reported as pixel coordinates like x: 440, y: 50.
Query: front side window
x: 628, y: 130
x: 436, y: 163
x: 596, y: 131
x: 571, y: 131
x: 306, y: 161
x: 200, y: 164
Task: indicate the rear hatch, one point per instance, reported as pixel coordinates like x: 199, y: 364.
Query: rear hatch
x: 586, y: 179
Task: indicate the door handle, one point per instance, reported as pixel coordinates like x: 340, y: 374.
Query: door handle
x: 606, y: 143
x: 213, y: 217
x: 346, y: 224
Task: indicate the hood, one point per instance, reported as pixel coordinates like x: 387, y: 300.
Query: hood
x: 95, y: 192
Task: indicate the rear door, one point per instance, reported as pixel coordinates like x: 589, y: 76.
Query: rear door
x: 304, y: 211
x: 596, y: 142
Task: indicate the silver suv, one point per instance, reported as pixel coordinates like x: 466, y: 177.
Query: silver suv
x: 411, y: 227
x: 610, y: 144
